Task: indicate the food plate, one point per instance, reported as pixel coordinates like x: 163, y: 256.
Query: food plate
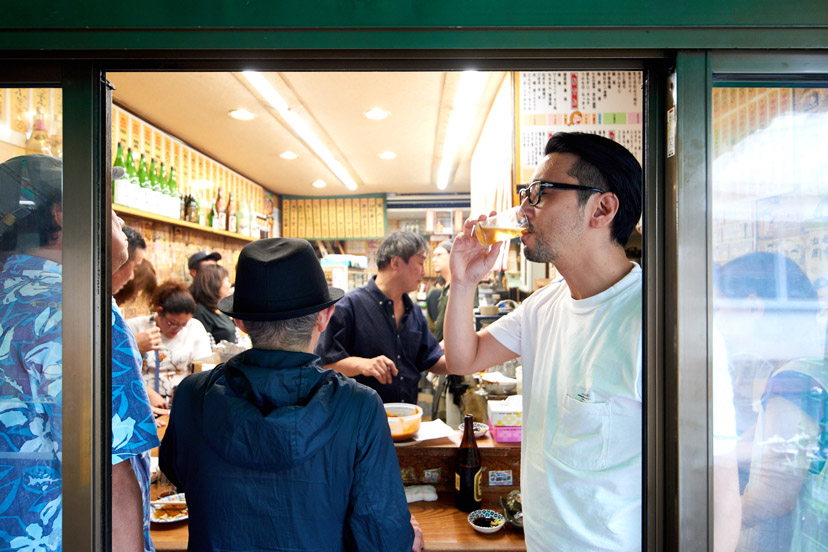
x: 514, y: 517
x: 480, y: 429
x: 161, y: 514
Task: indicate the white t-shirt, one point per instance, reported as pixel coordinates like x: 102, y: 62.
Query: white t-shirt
x: 176, y: 355
x: 582, y: 447
x: 724, y: 413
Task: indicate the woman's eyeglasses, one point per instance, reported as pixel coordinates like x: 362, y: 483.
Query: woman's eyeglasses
x: 173, y: 325
x: 534, y: 190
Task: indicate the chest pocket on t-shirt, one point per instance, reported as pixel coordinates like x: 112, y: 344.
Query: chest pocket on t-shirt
x: 581, y: 438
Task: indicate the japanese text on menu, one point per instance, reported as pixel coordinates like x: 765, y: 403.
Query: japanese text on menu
x: 608, y: 103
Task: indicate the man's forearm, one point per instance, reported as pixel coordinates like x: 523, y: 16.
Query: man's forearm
x: 347, y: 366
x: 461, y: 340
x: 127, y: 509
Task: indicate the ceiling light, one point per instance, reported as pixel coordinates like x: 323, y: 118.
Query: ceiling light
x: 242, y: 115
x: 377, y: 114
x: 460, y: 122
x: 299, y: 126
x: 388, y: 155
x: 289, y: 155
x: 319, y: 183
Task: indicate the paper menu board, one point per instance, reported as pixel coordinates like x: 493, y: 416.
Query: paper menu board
x: 339, y: 218
x: 608, y: 103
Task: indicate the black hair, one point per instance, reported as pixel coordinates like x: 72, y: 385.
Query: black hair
x: 134, y: 241
x: 31, y: 187
x: 207, y: 283
x: 769, y: 276
x: 174, y: 298
x: 400, y: 244
x: 607, y: 165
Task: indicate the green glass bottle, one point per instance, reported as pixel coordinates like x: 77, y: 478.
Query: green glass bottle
x: 134, y: 189
x: 147, y: 196
x: 212, y: 218
x: 119, y: 184
x: 166, y: 198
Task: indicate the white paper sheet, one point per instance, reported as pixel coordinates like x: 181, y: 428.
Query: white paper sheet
x: 436, y: 429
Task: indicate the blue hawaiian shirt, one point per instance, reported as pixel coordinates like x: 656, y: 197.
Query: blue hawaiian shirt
x: 31, y: 371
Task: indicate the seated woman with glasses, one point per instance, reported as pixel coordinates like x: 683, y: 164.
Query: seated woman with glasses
x: 183, y: 340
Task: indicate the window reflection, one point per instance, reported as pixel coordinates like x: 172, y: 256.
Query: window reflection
x: 31, y: 354
x: 770, y: 249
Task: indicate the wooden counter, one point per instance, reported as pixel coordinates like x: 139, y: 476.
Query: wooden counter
x: 445, y: 529
x: 433, y: 463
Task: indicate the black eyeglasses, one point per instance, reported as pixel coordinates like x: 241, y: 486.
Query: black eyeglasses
x: 534, y: 190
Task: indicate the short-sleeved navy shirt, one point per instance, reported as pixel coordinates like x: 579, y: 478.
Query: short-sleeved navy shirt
x: 363, y: 325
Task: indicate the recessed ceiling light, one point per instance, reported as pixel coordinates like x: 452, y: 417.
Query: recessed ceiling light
x: 289, y: 155
x: 388, y: 155
x: 319, y: 183
x: 242, y: 115
x: 377, y: 114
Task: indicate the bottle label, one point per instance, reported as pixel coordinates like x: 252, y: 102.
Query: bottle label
x: 478, y: 482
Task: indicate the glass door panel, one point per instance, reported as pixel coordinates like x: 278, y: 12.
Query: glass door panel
x: 31, y: 351
x: 770, y: 307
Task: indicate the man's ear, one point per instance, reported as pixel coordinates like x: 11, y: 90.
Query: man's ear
x: 324, y: 318
x: 240, y: 324
x: 603, y: 210
x: 57, y: 214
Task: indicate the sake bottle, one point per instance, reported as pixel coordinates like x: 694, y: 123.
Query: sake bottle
x: 220, y: 220
x: 120, y: 185
x: 212, y: 219
x: 146, y: 185
x: 232, y: 220
x: 156, y: 193
x: 134, y: 191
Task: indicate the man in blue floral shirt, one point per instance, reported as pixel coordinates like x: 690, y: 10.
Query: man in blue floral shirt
x: 31, y: 371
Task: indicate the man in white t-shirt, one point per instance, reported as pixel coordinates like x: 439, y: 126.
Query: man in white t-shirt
x: 580, y: 340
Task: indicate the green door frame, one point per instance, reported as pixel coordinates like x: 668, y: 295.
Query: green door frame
x: 676, y: 432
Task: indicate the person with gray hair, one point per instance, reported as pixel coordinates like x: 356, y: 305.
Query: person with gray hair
x: 303, y: 454
x: 377, y: 334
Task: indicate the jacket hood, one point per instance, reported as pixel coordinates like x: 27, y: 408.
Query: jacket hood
x: 272, y: 409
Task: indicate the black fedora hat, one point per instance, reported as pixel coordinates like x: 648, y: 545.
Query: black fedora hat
x: 277, y: 279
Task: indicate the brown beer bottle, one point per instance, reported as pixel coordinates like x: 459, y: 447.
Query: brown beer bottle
x: 469, y: 472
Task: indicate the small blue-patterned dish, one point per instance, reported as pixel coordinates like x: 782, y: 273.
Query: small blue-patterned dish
x: 486, y: 521
x: 480, y: 429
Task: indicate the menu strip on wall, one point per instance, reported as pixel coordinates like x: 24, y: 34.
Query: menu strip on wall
x: 356, y: 217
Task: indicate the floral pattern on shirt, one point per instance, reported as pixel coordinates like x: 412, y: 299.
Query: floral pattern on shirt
x: 31, y: 414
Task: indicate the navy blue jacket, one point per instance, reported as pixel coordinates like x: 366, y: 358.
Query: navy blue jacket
x: 363, y: 325
x: 276, y: 453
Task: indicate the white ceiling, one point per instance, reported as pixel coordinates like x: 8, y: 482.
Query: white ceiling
x: 194, y: 108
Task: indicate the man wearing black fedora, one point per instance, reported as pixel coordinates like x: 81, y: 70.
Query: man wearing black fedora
x: 273, y: 451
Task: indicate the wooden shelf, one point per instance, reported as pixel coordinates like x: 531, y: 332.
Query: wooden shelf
x: 123, y: 209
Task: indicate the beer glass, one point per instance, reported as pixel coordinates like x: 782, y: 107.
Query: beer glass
x: 501, y: 227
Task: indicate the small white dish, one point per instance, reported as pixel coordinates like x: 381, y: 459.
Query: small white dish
x: 480, y: 429
x: 486, y: 521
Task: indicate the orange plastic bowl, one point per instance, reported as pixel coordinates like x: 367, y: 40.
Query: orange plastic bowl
x: 403, y: 419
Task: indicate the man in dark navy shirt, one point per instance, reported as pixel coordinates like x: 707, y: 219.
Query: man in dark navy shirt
x: 377, y: 334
